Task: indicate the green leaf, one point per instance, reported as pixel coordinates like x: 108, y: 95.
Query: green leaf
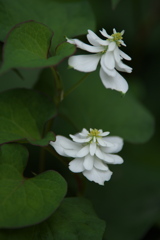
x: 74, y: 220
x: 27, y: 46
x: 11, y: 80
x: 23, y: 114
x: 91, y: 105
x: 65, y: 18
x: 24, y: 201
x: 46, y: 83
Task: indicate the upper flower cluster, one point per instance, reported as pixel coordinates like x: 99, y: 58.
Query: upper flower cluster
x: 92, y: 151
x: 110, y: 57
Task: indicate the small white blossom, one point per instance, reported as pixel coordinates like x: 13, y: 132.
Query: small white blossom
x: 110, y: 57
x: 92, y: 151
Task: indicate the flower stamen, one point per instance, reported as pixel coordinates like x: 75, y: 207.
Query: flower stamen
x: 116, y: 37
x: 94, y: 133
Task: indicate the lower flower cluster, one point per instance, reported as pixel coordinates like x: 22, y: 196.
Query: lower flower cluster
x: 92, y: 151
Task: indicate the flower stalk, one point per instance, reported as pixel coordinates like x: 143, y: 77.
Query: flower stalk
x: 76, y: 85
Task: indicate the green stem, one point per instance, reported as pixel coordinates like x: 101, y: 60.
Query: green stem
x: 42, y: 160
x: 76, y: 85
x: 78, y: 178
x: 80, y: 183
x: 55, y: 154
x: 58, y: 86
x: 58, y: 98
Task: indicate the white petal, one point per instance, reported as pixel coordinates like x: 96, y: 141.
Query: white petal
x: 99, y: 153
x: 83, y: 152
x: 62, y: 144
x: 100, y: 165
x: 108, y: 59
x: 122, y: 43
x: 108, y: 144
x: 105, y: 34
x: 86, y: 47
x: 117, y: 83
x: 117, y: 54
x: 114, y: 30
x: 101, y: 142
x: 92, y: 148
x: 104, y: 133
x: 95, y: 40
x: 107, y: 158
x: 110, y: 72
x: 66, y: 143
x: 84, y: 63
x: 111, y: 46
x: 116, y: 159
x: 98, y: 176
x: 84, y: 132
x: 120, y: 66
x: 80, y: 140
x: 117, y: 144
x: 71, y: 152
x: 122, y: 32
x: 124, y: 55
x: 88, y: 162
x: 58, y: 149
x: 76, y: 165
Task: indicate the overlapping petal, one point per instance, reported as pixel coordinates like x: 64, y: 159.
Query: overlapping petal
x: 105, y: 34
x: 76, y: 165
x: 109, y: 54
x: 86, y: 47
x: 92, y: 151
x: 124, y: 55
x: 123, y: 67
x: 117, y: 144
x: 116, y: 82
x: 95, y: 40
x: 109, y: 72
x: 88, y: 162
x: 84, y: 63
x: 63, y: 144
x: 98, y: 176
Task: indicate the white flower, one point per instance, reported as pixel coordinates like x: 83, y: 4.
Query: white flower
x: 92, y: 151
x: 110, y: 57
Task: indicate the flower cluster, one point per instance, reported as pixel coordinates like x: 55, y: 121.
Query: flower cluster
x: 92, y: 151
x: 108, y: 53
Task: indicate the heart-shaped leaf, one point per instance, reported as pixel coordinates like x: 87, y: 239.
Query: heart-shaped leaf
x: 93, y: 106
x: 74, y: 219
x: 23, y: 201
x: 27, y: 46
x: 65, y: 18
x: 23, y: 114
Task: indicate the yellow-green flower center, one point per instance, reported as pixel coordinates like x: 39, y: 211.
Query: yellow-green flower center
x: 116, y: 38
x: 94, y: 133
